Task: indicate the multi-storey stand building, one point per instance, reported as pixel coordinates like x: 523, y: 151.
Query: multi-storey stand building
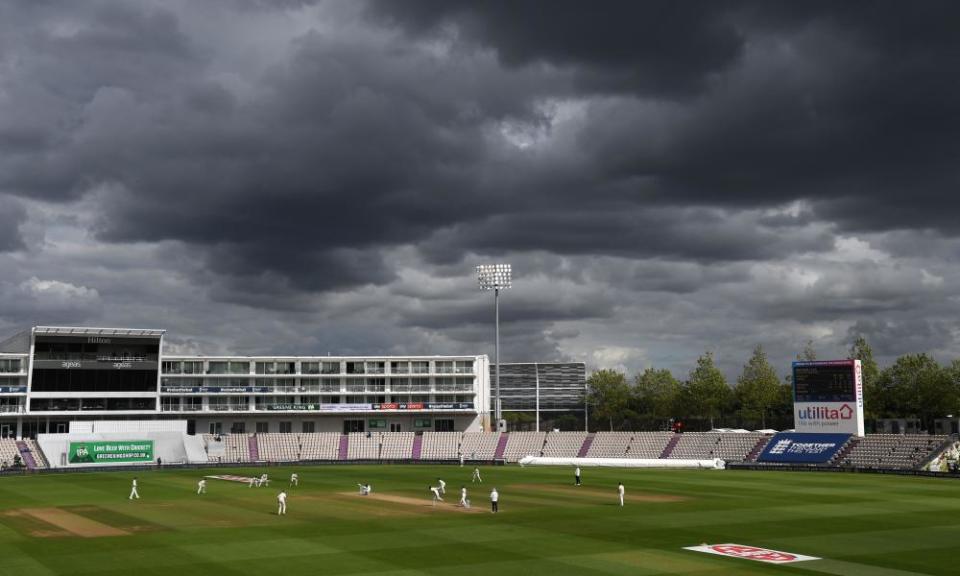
x: 50, y: 376
x: 553, y: 392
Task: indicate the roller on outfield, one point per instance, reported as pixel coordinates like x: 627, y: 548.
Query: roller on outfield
x: 711, y: 464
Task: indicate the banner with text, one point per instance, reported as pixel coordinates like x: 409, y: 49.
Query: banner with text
x: 110, y: 452
x: 805, y: 448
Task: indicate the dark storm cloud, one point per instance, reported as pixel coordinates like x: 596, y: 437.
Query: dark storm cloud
x: 667, y: 166
x: 665, y: 47
x: 12, y: 215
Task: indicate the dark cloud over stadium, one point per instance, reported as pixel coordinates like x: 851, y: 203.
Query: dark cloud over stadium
x: 323, y: 176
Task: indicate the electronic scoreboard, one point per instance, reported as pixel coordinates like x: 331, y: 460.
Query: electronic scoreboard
x: 828, y: 396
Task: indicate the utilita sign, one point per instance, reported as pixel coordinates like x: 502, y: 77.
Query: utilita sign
x: 828, y: 397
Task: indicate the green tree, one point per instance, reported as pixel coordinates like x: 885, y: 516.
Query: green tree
x: 706, y: 393
x: 917, y: 386
x: 657, y: 394
x: 758, y: 387
x: 609, y: 396
x: 808, y: 354
x: 872, y: 398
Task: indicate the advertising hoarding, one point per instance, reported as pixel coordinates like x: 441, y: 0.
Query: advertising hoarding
x: 802, y: 448
x: 106, y: 453
x: 828, y: 397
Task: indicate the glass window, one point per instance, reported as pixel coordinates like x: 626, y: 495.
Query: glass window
x: 399, y: 367
x: 309, y: 367
x: 218, y: 368
x: 286, y: 368
x: 444, y: 367
x: 420, y: 367
x: 374, y: 367
x: 464, y: 366
x: 330, y: 368
x: 376, y: 384
x: 266, y: 368
x: 356, y: 368
x: 239, y: 367
x: 193, y: 367
x: 309, y: 427
x: 329, y: 384
x: 286, y: 427
x: 263, y: 427
x: 171, y: 367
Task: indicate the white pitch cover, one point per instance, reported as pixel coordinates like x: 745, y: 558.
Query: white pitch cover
x: 752, y: 553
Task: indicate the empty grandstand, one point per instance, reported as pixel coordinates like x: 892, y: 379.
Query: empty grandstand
x: 441, y: 446
x: 480, y: 445
x: 520, y: 444
x: 891, y: 451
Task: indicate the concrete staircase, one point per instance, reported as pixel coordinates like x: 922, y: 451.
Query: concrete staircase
x: 344, y: 446
x: 585, y: 447
x: 501, y: 447
x: 668, y: 449
x: 417, y: 446
x: 253, y: 446
x: 757, y: 449
x: 27, y: 455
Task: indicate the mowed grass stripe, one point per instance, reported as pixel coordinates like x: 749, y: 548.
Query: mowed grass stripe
x: 545, y: 527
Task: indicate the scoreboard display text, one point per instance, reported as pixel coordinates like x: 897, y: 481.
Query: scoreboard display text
x: 833, y: 381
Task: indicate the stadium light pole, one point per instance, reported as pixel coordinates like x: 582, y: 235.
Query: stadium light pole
x: 496, y: 277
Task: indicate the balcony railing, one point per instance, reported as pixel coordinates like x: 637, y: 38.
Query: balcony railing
x: 12, y: 409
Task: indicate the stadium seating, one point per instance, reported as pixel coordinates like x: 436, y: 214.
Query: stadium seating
x: 364, y: 446
x: 441, y: 446
x: 236, y: 446
x: 279, y: 447
x: 892, y: 451
x: 647, y: 444
x: 479, y: 445
x: 610, y: 445
x: 563, y: 444
x: 397, y: 446
x: 520, y: 444
x: 8, y: 449
x: 319, y: 446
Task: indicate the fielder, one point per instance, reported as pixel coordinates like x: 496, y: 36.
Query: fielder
x: 576, y: 476
x: 294, y: 479
x: 263, y: 481
x: 443, y: 486
x: 364, y: 489
x: 461, y: 459
x: 476, y: 476
x: 133, y: 490
x: 463, y: 497
x: 282, y: 503
x: 202, y: 486
x: 620, y: 493
x: 436, y: 494
x: 494, y: 501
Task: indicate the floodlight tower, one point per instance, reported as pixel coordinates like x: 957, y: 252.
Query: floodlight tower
x: 495, y: 277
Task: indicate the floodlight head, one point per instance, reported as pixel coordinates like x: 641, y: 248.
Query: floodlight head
x: 494, y: 276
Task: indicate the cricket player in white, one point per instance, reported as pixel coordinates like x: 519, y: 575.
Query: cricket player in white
x: 476, y: 476
x: 461, y: 459
x: 436, y: 494
x: 133, y: 490
x: 620, y: 493
x: 463, y: 497
x: 282, y: 503
x: 576, y: 476
x: 294, y: 479
x: 364, y: 489
x: 494, y: 501
x: 443, y: 486
x: 264, y: 481
x: 202, y: 486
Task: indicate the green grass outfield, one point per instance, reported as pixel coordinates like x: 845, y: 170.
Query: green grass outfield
x: 859, y: 524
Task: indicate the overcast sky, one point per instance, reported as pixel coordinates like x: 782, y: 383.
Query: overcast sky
x: 666, y: 178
